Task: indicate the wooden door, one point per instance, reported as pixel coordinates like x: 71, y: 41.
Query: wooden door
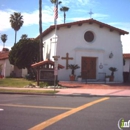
x: 88, y: 67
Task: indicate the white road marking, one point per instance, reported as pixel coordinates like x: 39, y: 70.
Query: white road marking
x: 1, y: 109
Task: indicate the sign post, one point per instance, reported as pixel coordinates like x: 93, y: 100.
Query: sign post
x: 55, y: 70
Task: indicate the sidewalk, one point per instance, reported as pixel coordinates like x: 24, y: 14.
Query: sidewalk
x: 81, y: 89
x: 88, y: 89
x: 94, y: 92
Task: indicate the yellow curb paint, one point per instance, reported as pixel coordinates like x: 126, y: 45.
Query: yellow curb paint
x: 55, y: 119
x: 42, y: 107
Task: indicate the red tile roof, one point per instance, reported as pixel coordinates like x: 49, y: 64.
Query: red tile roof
x: 46, y: 62
x: 90, y: 21
x: 4, y: 55
x: 126, y: 56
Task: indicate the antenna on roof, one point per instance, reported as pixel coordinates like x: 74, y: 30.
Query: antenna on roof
x: 91, y: 13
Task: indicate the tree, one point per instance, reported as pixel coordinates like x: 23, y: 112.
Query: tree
x: 1, y: 69
x: 64, y: 9
x: 16, y: 21
x: 55, y: 1
x: 24, y: 53
x: 4, y: 38
x: 40, y: 30
x: 24, y: 36
x: 73, y: 68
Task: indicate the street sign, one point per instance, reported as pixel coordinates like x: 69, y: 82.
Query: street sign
x: 56, y: 68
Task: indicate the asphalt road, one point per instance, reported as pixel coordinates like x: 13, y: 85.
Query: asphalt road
x: 23, y: 112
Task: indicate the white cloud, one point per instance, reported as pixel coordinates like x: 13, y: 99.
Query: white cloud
x: 29, y: 18
x: 99, y: 16
x: 95, y: 16
x: 78, y: 18
x: 83, y: 2
x: 4, y: 22
x: 33, y: 18
x: 77, y: 3
x: 65, y: 2
x: 1, y: 47
x: 121, y: 25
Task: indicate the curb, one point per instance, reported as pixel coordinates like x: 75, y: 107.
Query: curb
x: 71, y: 95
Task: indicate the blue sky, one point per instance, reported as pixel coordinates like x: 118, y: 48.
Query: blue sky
x: 112, y: 12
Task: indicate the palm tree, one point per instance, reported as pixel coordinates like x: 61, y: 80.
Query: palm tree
x: 73, y: 68
x: 55, y: 1
x: 16, y: 21
x: 112, y: 69
x: 24, y: 36
x: 40, y: 30
x: 4, y: 38
x: 64, y: 9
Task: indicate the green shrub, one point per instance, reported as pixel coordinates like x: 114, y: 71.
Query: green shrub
x: 43, y: 84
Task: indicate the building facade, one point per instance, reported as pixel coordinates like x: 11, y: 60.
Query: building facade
x: 7, y: 68
x: 92, y: 45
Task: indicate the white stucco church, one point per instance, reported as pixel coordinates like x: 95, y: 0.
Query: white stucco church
x: 93, y: 45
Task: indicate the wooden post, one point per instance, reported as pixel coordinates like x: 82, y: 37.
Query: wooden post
x: 38, y: 76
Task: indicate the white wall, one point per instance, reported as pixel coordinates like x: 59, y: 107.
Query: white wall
x: 49, y: 46
x: 6, y: 68
x: 71, y: 40
x: 24, y: 72
x: 2, y: 63
x: 9, y: 68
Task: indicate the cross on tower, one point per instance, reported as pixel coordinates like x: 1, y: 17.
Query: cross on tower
x: 67, y: 58
x: 91, y: 13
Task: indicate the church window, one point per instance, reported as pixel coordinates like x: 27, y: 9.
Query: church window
x: 89, y: 36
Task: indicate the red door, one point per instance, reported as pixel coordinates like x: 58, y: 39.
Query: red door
x: 88, y: 67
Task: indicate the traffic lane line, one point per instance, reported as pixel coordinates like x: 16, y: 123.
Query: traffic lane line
x: 41, y: 107
x: 55, y: 119
x: 1, y: 109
